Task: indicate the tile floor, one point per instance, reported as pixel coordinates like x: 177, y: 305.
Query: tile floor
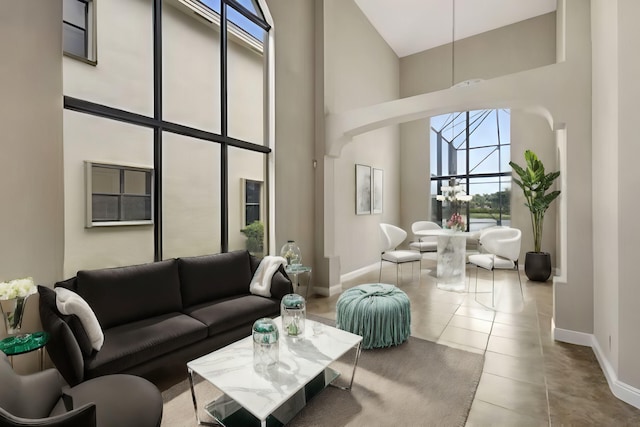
x: 528, y: 379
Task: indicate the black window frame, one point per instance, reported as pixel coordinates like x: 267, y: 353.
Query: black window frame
x: 466, y: 177
x: 159, y: 125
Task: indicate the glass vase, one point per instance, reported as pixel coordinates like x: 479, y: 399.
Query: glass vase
x: 291, y: 252
x: 294, y: 314
x: 266, y: 353
x: 12, y: 312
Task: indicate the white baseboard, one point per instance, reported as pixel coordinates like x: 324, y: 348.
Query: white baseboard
x: 621, y: 390
x: 571, y: 337
x: 327, y: 292
x: 355, y: 273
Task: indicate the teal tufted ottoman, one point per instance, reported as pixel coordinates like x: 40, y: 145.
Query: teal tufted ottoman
x: 378, y: 312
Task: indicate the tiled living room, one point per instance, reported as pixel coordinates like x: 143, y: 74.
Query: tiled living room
x: 149, y: 132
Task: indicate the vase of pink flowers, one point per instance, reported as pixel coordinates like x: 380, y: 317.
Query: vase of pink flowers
x: 456, y: 222
x: 454, y: 196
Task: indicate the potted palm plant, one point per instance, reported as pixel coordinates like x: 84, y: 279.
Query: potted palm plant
x: 535, y: 183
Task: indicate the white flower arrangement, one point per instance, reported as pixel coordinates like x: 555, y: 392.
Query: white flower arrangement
x: 17, y: 288
x: 453, y: 194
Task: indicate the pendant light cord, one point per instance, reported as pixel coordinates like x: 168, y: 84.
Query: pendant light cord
x: 453, y: 41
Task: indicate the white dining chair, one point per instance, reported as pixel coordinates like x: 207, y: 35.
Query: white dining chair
x: 501, y: 250
x: 391, y: 237
x: 424, y: 243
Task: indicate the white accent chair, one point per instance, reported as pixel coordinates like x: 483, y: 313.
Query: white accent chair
x: 391, y: 237
x: 501, y: 250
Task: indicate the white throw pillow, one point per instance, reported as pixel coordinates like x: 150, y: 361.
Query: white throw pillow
x: 68, y: 302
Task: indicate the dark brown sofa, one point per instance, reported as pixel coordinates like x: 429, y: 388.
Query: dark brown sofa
x: 158, y: 313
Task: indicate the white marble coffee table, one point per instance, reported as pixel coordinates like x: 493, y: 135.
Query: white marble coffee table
x: 277, y: 394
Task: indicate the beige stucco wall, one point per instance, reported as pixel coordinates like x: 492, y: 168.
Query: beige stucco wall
x: 615, y: 152
x: 606, y: 119
x: 96, y: 139
x: 629, y: 182
x: 295, y: 215
x: 31, y: 220
x: 191, y: 202
x: 125, y: 59
x: 518, y: 47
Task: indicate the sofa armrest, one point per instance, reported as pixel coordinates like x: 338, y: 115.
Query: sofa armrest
x: 63, y: 348
x: 281, y: 285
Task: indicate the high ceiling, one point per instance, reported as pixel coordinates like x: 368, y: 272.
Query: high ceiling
x: 411, y: 26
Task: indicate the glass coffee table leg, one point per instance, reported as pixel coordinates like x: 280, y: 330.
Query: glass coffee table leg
x: 308, y: 284
x: 353, y: 373
x: 195, y: 403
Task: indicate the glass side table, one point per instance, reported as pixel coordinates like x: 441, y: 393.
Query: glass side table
x: 295, y: 271
x: 13, y: 346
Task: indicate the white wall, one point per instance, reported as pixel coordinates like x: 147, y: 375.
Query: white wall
x: 360, y: 69
x: 31, y: 220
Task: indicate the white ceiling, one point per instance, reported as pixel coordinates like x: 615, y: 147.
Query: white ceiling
x: 411, y: 26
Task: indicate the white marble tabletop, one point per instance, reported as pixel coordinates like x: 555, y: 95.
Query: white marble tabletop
x: 231, y: 370
x: 442, y: 232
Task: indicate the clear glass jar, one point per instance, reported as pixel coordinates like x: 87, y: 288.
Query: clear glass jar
x: 291, y: 252
x: 266, y: 352
x: 294, y: 314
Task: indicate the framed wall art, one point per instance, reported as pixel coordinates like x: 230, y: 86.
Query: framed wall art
x: 363, y: 189
x: 376, y: 191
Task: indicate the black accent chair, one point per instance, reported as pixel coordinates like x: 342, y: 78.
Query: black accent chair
x: 44, y: 399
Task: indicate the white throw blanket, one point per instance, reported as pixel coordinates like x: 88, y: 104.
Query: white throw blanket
x: 261, y: 281
x: 68, y: 302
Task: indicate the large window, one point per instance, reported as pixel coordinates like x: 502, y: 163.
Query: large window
x: 78, y: 28
x: 204, y: 74
x: 473, y: 148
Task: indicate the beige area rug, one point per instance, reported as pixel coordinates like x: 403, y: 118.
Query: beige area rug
x: 418, y: 383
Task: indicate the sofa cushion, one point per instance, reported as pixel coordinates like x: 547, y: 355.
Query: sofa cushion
x: 63, y: 348
x: 125, y: 294
x: 71, y: 304
x: 48, y: 300
x: 232, y: 312
x: 212, y: 277
x: 126, y: 346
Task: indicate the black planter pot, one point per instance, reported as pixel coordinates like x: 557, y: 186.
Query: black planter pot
x: 537, y: 266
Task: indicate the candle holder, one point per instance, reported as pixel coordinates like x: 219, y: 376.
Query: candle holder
x: 294, y: 314
x: 266, y: 352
